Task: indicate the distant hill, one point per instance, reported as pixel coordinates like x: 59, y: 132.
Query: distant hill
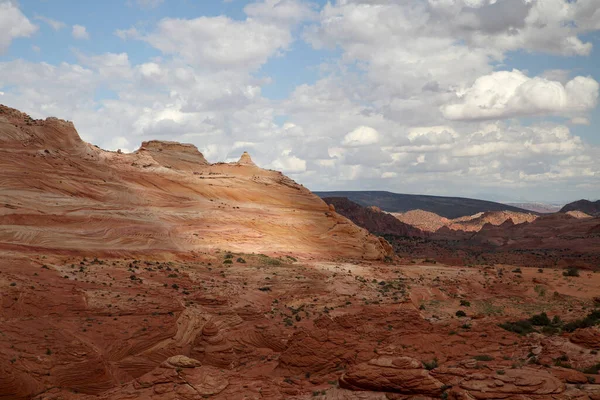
x: 372, y: 219
x: 586, y: 206
x: 449, y: 207
x: 541, y: 208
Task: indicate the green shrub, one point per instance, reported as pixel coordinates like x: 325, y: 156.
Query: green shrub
x: 571, y: 271
x: 241, y: 260
x: 429, y: 365
x: 465, y: 303
x: 540, y: 320
x: 483, y: 357
x: 522, y: 327
x: 228, y: 261
x: 591, y: 319
x: 461, y: 313
x: 592, y: 370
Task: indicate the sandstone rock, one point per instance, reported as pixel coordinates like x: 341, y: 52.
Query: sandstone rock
x: 182, y: 361
x: 402, y: 375
x: 588, y: 337
x: 165, y: 197
x: 525, y: 381
x: 569, y: 375
x: 245, y: 159
x: 211, y: 347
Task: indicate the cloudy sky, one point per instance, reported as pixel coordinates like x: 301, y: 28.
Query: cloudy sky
x: 495, y: 99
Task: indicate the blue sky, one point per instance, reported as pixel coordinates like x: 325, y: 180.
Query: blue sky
x: 457, y: 97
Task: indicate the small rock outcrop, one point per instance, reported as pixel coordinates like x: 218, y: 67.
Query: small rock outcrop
x: 402, y: 375
x: 245, y: 159
x: 211, y: 347
x: 588, y: 337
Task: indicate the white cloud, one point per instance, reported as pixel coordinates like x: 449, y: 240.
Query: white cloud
x: 361, y: 136
x: 131, y: 33
x: 54, y: 24
x: 220, y: 42
x: 580, y: 121
x: 13, y: 24
x: 80, y: 32
x: 281, y: 11
x: 373, y: 120
x: 109, y: 65
x: 289, y: 163
x: 507, y: 94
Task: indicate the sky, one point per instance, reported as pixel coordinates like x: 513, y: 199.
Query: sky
x: 494, y: 99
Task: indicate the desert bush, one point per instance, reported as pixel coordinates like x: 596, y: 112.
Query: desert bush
x: 591, y: 319
x: 592, y: 370
x: 465, y: 303
x: 522, y: 327
x: 429, y: 365
x: 228, y: 261
x: 461, y: 313
x: 483, y: 357
x: 540, y: 320
x: 571, y: 271
x: 241, y: 260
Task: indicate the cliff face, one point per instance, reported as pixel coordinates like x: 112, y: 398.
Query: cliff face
x: 60, y: 194
x: 372, y: 219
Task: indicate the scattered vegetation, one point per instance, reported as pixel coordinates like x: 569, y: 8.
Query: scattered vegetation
x: 269, y: 260
x: 550, y: 327
x: 571, y: 271
x: 591, y: 319
x: 592, y: 370
x: 461, y: 313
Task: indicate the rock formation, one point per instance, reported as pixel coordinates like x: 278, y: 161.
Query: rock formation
x: 245, y: 159
x: 62, y: 194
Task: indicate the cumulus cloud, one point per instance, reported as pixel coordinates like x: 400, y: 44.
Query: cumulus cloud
x: 507, y: 94
x: 220, y: 42
x: 108, y: 65
x: 361, y: 136
x: 289, y: 163
x: 80, y: 32
x: 13, y: 24
x: 376, y: 117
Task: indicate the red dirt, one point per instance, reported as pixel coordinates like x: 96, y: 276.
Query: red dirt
x: 106, y: 293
